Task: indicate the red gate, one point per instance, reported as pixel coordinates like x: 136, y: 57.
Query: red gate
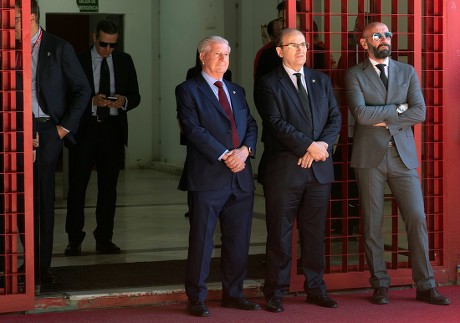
x: 338, y: 25
x: 16, y: 192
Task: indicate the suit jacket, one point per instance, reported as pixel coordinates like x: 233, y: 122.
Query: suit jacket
x: 370, y: 103
x: 63, y: 90
x: 125, y: 84
x: 287, y: 134
x: 208, y: 134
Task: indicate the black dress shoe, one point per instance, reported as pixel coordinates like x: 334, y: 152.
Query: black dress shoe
x: 274, y: 304
x: 321, y: 300
x: 432, y: 296
x: 240, y: 303
x: 73, y: 249
x: 107, y: 247
x: 380, y: 296
x: 198, y: 309
x: 47, y: 278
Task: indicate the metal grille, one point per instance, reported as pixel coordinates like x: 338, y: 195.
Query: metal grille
x: 16, y: 215
x: 334, y: 29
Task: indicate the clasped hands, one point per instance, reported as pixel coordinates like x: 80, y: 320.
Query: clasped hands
x: 101, y: 100
x: 317, y: 151
x: 235, y: 159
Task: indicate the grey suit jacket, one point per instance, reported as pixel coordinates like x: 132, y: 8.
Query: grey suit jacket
x: 370, y: 103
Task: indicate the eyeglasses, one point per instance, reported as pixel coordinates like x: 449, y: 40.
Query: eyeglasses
x: 379, y: 37
x: 104, y: 44
x: 295, y: 46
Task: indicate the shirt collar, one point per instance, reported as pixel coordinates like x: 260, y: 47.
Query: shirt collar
x: 35, y: 36
x: 210, y: 80
x: 386, y: 61
x: 291, y: 72
x: 95, y: 54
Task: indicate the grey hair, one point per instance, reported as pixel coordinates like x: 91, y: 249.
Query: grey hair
x: 205, y: 44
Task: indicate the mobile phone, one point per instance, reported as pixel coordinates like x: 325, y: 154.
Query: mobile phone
x: 112, y: 98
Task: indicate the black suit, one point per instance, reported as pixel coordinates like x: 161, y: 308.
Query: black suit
x: 63, y: 92
x: 292, y: 192
x: 102, y: 144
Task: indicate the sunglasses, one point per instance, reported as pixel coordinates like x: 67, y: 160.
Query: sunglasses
x: 104, y: 44
x: 378, y: 36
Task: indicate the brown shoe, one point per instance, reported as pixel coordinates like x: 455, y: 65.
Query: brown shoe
x: 432, y: 296
x: 380, y: 296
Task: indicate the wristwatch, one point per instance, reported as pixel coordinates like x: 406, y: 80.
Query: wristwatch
x: 400, y: 108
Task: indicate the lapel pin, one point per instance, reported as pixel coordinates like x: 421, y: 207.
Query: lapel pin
x: 234, y: 92
x: 313, y: 81
x: 48, y: 54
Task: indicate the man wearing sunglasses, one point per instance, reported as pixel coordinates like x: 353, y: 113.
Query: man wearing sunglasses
x: 385, y: 98
x: 101, y: 138
x: 301, y: 122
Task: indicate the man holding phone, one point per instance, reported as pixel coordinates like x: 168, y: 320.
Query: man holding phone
x: 102, y: 137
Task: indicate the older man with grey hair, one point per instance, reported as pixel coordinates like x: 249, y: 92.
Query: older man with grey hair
x: 221, y: 138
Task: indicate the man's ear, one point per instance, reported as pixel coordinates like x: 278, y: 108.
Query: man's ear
x: 279, y: 51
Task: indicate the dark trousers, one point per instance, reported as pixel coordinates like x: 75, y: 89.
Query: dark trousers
x: 98, y: 144
x: 50, y: 147
x: 308, y: 204
x: 233, y: 208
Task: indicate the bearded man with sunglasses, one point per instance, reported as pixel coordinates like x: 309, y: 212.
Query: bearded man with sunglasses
x: 385, y: 98
x: 101, y: 138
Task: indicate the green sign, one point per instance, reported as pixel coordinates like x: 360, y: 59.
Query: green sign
x: 88, y: 5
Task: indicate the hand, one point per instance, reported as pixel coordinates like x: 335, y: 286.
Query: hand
x: 306, y: 160
x: 318, y: 151
x: 236, y: 158
x: 100, y: 100
x: 381, y: 124
x: 35, y: 141
x: 120, y: 102
x: 61, y: 131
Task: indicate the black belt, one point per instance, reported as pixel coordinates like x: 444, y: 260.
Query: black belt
x: 43, y: 119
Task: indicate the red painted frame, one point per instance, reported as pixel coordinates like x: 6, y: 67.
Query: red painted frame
x: 17, y: 189
x: 418, y: 40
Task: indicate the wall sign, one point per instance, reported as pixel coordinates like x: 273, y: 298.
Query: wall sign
x: 88, y: 5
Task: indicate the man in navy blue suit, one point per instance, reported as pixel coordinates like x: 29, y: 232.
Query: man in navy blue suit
x: 221, y: 138
x: 60, y: 92
x: 301, y: 122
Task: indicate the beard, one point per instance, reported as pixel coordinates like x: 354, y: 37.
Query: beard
x: 380, y: 51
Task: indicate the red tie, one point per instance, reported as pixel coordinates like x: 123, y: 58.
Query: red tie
x: 228, y: 110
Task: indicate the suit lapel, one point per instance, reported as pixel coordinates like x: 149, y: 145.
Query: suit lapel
x: 44, y: 54
x: 292, y: 92
x: 312, y: 94
x: 392, y: 74
x: 204, y: 88
x: 374, y: 78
